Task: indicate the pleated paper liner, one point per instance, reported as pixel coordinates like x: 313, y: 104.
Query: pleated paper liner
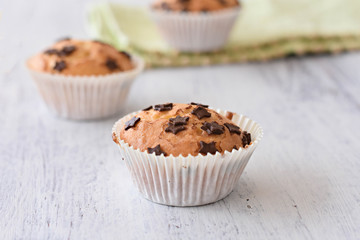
x: 196, y: 32
x: 86, y: 97
x: 191, y: 180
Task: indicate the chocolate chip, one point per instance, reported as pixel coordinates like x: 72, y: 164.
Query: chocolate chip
x: 67, y: 50
x: 200, y: 105
x: 246, y: 139
x: 157, y: 150
x: 174, y: 129
x: 148, y: 108
x: 235, y: 147
x: 201, y: 112
x: 233, y: 128
x: 60, y: 65
x: 131, y: 123
x: 222, y: 2
x: 111, y: 64
x: 51, y: 51
x: 126, y: 54
x: 207, y: 148
x: 163, y: 107
x: 213, y: 128
x: 179, y: 120
x: 176, y: 124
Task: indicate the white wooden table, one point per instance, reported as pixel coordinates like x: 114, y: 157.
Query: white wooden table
x: 63, y: 179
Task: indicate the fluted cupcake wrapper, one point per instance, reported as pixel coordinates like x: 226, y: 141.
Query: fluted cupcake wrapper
x: 86, y: 97
x: 191, y: 180
x: 196, y: 32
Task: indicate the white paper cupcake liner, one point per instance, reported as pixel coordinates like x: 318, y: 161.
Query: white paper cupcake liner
x: 196, y: 32
x: 86, y: 97
x: 187, y: 181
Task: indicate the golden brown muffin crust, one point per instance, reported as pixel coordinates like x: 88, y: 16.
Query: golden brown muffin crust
x: 81, y: 58
x: 148, y: 130
x: 194, y: 5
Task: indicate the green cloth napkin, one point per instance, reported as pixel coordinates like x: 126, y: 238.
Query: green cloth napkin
x: 264, y: 30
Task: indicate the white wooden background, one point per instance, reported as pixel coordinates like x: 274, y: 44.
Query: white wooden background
x: 63, y: 179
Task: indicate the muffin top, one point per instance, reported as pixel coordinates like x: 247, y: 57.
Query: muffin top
x: 182, y: 129
x: 194, y: 5
x: 81, y: 58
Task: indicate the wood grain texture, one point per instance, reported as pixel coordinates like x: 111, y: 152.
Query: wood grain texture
x: 64, y: 180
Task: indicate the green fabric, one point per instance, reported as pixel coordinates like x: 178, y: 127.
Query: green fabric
x: 264, y: 30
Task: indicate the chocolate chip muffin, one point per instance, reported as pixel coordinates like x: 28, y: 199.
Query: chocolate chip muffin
x: 183, y: 129
x: 84, y: 80
x: 81, y: 58
x: 185, y: 154
x: 194, y: 5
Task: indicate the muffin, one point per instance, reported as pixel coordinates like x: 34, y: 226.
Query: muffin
x: 84, y: 79
x: 195, y: 25
x: 185, y: 154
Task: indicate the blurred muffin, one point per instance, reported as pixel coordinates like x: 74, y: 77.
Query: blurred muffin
x: 185, y: 154
x: 195, y: 25
x: 84, y: 79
